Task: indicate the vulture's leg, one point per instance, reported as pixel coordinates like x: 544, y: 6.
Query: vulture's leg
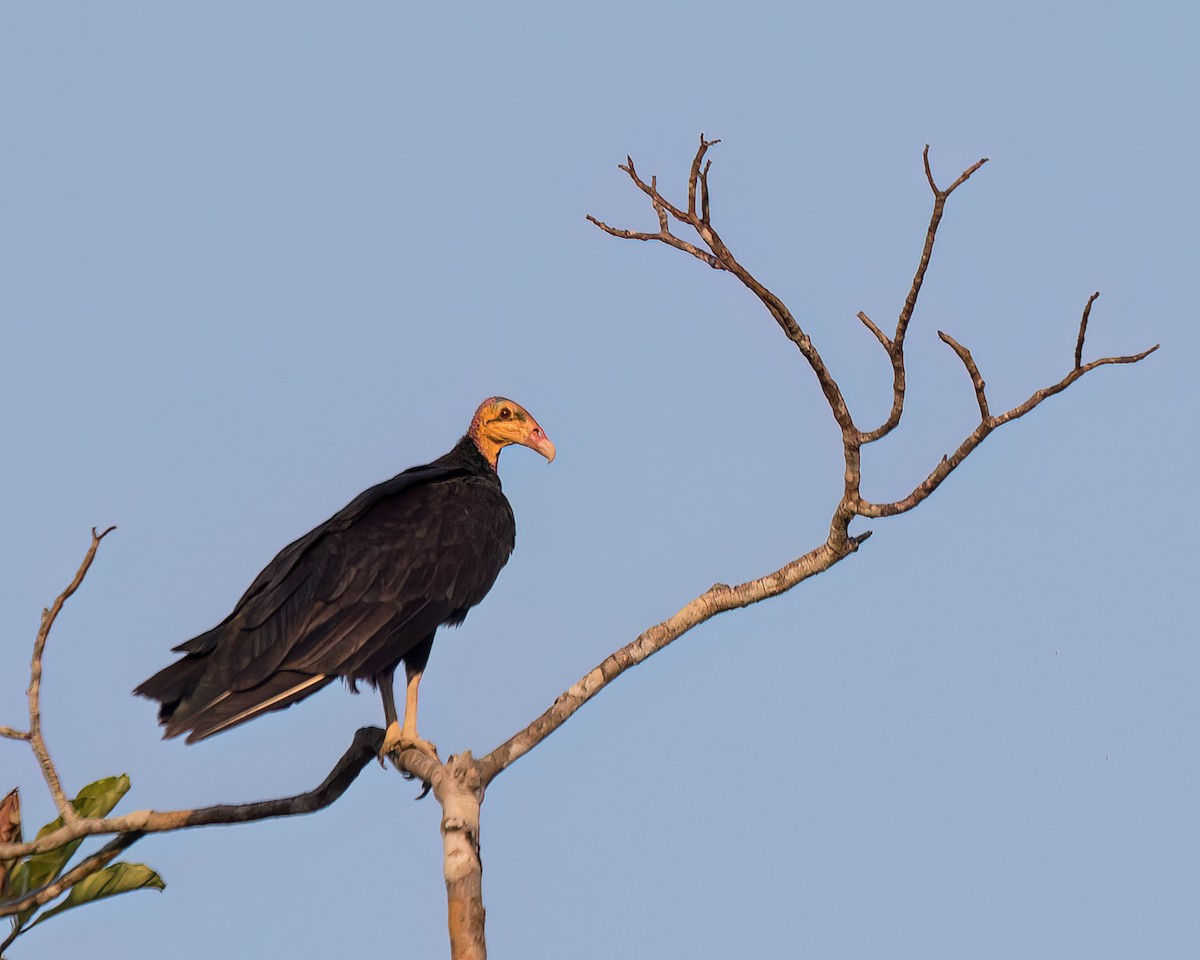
x: 402, y: 736
x: 388, y: 695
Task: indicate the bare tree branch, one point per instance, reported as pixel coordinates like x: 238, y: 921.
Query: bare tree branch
x: 976, y: 380
x: 8, y: 733
x: 895, y: 346
x: 717, y: 599
x: 665, y: 236
x: 1087, y: 311
x: 980, y: 433
x: 364, y: 748
x: 839, y: 543
x: 1039, y: 395
x: 36, y: 741
x: 879, y: 334
x: 724, y: 257
x: 697, y: 175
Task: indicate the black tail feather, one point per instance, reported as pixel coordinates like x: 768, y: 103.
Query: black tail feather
x: 186, y: 704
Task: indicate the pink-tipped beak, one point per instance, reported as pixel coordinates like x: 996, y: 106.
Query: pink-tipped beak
x: 541, y: 443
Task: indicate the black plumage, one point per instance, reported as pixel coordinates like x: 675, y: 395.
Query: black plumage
x: 361, y: 593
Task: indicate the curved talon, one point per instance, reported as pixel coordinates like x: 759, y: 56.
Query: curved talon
x: 426, y: 786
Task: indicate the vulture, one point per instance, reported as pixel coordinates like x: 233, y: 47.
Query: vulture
x: 359, y: 594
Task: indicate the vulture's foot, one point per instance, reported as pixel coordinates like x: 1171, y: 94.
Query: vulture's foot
x: 397, y: 739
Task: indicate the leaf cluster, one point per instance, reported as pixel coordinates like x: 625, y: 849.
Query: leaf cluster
x: 34, y: 877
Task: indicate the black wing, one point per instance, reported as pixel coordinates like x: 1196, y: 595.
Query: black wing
x: 348, y: 599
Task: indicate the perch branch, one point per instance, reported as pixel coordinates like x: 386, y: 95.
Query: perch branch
x: 363, y: 749
x: 717, y: 599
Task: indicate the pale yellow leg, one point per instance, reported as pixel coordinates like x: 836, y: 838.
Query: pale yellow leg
x: 403, y: 737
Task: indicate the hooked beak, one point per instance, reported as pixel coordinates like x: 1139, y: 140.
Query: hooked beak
x: 537, y: 440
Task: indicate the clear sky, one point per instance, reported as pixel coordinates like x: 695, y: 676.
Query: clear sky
x: 255, y: 257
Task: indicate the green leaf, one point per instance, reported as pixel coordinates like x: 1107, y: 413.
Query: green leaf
x: 95, y: 800
x: 113, y: 879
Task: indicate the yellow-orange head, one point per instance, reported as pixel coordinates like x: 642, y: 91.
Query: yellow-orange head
x: 499, y: 422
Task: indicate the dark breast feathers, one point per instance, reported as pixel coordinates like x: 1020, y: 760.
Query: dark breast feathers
x: 349, y: 599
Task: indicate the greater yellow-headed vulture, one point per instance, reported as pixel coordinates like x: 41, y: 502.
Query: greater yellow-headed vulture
x: 362, y: 592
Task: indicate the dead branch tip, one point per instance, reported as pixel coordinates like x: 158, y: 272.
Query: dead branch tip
x: 965, y: 175
x: 962, y: 177
x: 973, y: 371
x: 879, y: 334
x: 1083, y: 322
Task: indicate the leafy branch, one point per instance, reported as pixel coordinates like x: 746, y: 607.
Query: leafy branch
x: 33, y: 874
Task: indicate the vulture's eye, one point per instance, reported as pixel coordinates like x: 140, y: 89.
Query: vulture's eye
x: 505, y: 413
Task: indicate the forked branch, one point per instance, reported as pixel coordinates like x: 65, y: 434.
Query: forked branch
x: 839, y: 544
x: 852, y: 504
x: 895, y: 345
x: 719, y: 257
x: 987, y: 422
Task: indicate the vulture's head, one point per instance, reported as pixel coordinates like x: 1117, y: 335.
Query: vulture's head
x: 499, y: 422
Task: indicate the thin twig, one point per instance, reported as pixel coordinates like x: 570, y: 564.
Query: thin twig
x: 9, y: 733
x: 651, y: 190
x: 664, y: 236
x: 697, y: 174
x: 1039, y: 395
x: 36, y: 741
x: 896, y: 345
x: 1087, y: 310
x: 976, y: 380
x: 980, y: 433
x: 879, y: 334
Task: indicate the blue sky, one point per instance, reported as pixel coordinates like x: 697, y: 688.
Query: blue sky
x: 257, y: 257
